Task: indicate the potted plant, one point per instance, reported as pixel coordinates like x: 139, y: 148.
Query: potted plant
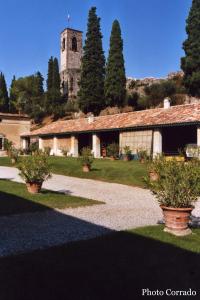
x: 113, y: 151
x: 127, y: 152
x: 14, y: 154
x: 34, y: 170
x: 65, y: 152
x: 153, y: 168
x: 86, y: 159
x: 47, y: 151
x: 142, y: 155
x: 8, y: 145
x: 176, y: 189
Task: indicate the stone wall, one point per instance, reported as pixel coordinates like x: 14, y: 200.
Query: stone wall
x: 137, y: 140
x: 47, y: 142
x: 12, y: 129
x: 64, y: 143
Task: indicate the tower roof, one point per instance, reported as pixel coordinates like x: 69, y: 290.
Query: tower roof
x: 71, y: 29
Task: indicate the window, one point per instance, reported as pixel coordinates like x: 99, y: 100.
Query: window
x: 63, y: 44
x: 74, y: 44
x: 71, y: 85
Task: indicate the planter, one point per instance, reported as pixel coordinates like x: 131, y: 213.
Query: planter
x: 86, y: 168
x: 176, y: 220
x: 142, y: 160
x: 153, y: 176
x: 13, y: 161
x: 127, y: 158
x: 112, y: 158
x: 34, y: 187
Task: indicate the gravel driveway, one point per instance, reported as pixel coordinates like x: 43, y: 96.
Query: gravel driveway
x: 125, y: 207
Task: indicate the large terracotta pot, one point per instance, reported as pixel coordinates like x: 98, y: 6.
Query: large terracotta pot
x: 34, y: 187
x: 86, y: 168
x: 112, y: 158
x: 176, y: 220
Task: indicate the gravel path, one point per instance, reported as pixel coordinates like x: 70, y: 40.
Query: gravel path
x: 125, y: 207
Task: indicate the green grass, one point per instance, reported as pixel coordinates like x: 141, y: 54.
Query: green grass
x: 15, y: 199
x: 116, y: 266
x: 129, y: 173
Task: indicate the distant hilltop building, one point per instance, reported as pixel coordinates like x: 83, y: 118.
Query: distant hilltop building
x: 70, y: 61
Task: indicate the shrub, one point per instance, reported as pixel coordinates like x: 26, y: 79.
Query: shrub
x: 65, y: 151
x: 34, y: 169
x: 8, y: 145
x: 34, y: 147
x: 47, y: 150
x: 127, y: 151
x: 142, y: 155
x: 14, y: 154
x: 178, y: 183
x: 113, y: 150
x: 86, y: 157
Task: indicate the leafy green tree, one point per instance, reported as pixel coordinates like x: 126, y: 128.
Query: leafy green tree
x: 4, y: 99
x: 115, y: 80
x: 190, y: 64
x: 91, y: 94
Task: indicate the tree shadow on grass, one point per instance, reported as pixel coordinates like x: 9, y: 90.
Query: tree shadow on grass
x: 117, y: 265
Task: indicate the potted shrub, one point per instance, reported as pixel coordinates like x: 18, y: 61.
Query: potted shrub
x: 86, y: 159
x: 65, y: 152
x: 142, y: 155
x: 8, y: 145
x: 113, y: 151
x: 34, y: 170
x: 176, y: 189
x: 14, y: 154
x: 153, y: 168
x: 47, y: 151
x: 127, y: 152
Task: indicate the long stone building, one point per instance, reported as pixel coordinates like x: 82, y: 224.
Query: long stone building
x: 160, y: 130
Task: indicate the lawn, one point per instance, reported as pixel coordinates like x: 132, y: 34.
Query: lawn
x: 130, y: 173
x: 14, y: 199
x: 116, y: 266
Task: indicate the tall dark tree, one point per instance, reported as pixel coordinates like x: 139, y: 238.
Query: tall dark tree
x: 39, y: 80
x: 115, y: 80
x: 91, y: 94
x: 190, y: 64
x: 54, y: 101
x: 4, y: 99
x: 50, y: 74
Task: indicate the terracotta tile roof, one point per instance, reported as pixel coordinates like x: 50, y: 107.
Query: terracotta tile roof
x: 9, y: 115
x: 189, y: 113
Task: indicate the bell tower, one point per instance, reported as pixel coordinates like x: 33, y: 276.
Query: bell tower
x: 70, y: 61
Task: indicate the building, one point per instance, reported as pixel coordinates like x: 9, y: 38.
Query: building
x: 70, y: 61
x: 11, y: 128
x: 160, y: 130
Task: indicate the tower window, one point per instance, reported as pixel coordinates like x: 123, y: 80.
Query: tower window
x: 71, y: 85
x: 63, y: 44
x: 74, y: 44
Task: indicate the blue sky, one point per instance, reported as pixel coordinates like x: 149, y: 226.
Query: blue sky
x: 152, y: 30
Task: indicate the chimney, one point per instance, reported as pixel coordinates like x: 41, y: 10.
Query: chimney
x: 166, y: 103
x: 90, y: 118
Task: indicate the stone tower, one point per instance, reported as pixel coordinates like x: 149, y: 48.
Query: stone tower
x: 70, y: 61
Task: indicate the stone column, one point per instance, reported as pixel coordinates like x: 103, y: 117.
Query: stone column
x: 96, y: 146
x: 41, y: 147
x: 55, y: 145
x: 157, y: 142
x: 198, y: 136
x: 74, y: 146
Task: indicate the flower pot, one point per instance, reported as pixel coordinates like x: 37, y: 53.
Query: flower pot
x: 127, y: 158
x: 153, y: 176
x: 142, y: 160
x: 176, y: 220
x: 34, y: 187
x: 112, y: 158
x: 86, y: 168
x: 13, y: 161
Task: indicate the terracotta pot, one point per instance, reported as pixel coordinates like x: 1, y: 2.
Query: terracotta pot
x: 34, y: 187
x: 13, y: 161
x: 112, y: 158
x: 86, y: 168
x: 127, y: 158
x: 142, y: 160
x: 176, y: 220
x: 153, y: 176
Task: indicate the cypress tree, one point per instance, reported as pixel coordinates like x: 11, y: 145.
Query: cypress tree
x: 115, y: 80
x: 39, y: 84
x: 12, y: 103
x: 4, y: 99
x: 56, y: 75
x: 91, y: 94
x: 190, y: 64
x: 50, y: 74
